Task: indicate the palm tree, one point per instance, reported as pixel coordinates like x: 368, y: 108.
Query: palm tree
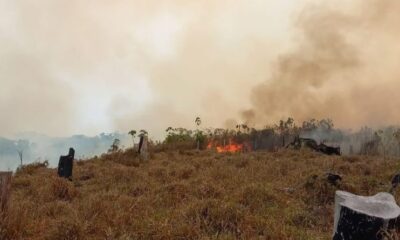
x: 143, y: 133
x: 198, y: 122
x: 133, y: 134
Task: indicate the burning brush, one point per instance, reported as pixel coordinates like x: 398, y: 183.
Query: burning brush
x: 231, y: 147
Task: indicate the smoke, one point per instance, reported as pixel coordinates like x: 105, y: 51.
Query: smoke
x: 72, y: 67
x: 39, y: 148
x: 77, y: 67
x: 343, y: 67
x: 24, y: 103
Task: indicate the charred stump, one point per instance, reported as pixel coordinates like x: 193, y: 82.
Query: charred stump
x: 366, y: 218
x: 5, y: 188
x: 299, y: 143
x: 328, y: 150
x: 66, y: 164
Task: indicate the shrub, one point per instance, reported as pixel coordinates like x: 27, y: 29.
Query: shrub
x: 31, y: 168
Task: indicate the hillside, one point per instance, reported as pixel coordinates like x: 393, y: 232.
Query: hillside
x: 190, y: 195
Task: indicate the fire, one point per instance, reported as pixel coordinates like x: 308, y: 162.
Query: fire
x: 231, y: 147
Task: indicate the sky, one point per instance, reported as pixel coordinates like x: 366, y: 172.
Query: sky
x: 85, y: 67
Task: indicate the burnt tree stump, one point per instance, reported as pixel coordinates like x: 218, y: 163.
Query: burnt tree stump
x: 143, y: 147
x: 359, y: 217
x: 5, y: 189
x: 66, y: 164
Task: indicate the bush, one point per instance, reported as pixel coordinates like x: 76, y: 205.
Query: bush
x: 32, y: 168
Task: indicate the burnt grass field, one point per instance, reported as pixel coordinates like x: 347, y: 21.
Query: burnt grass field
x: 190, y: 195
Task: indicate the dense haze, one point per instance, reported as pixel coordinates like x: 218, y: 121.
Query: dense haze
x: 38, y: 148
x: 69, y: 67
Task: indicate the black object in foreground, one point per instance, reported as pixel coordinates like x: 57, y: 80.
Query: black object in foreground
x: 66, y: 164
x: 364, y: 218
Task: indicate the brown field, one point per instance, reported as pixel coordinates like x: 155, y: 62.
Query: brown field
x: 190, y: 195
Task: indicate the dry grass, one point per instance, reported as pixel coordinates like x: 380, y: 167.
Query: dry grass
x: 189, y: 195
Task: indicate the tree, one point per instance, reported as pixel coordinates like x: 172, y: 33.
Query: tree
x: 143, y: 133
x: 169, y: 129
x: 238, y: 128
x: 133, y: 134
x: 198, y: 133
x: 310, y: 125
x: 114, y: 146
x: 326, y: 124
x: 197, y: 121
x: 20, y: 154
x: 284, y: 128
x: 22, y: 147
x: 245, y: 128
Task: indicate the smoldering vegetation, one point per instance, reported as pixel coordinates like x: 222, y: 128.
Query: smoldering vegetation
x: 383, y: 141
x: 365, y: 141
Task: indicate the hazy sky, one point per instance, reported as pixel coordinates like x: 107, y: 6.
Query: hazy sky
x: 73, y: 66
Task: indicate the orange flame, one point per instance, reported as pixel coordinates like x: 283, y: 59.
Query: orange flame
x: 231, y: 147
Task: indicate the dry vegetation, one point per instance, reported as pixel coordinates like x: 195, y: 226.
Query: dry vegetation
x: 189, y: 195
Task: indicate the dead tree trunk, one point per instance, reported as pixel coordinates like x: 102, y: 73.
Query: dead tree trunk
x: 5, y: 189
x: 143, y: 148
x: 367, y: 218
x: 66, y: 164
x: 20, y: 154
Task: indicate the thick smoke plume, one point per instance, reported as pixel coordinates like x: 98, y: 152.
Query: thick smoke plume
x: 69, y: 67
x: 343, y: 67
